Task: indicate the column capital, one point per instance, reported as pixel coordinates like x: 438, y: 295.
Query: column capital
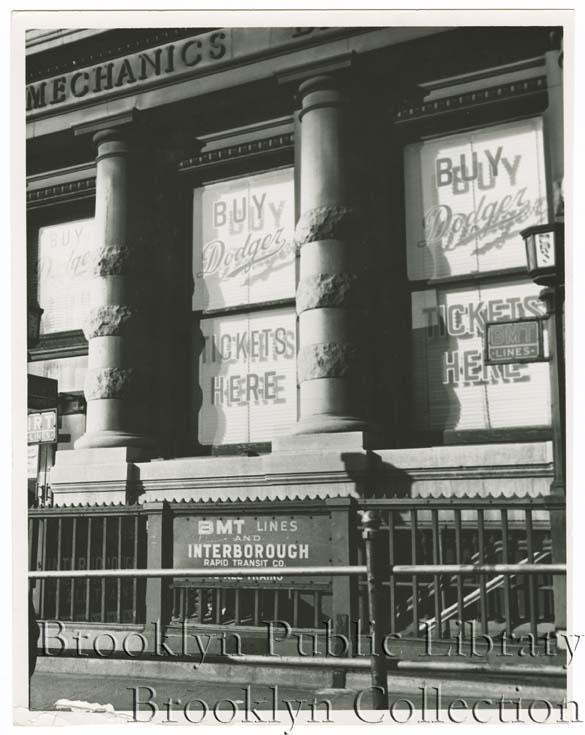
x: 111, y: 135
x: 319, y: 83
x: 113, y: 125
x: 329, y: 69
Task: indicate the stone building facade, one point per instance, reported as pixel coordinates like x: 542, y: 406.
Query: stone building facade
x: 266, y: 257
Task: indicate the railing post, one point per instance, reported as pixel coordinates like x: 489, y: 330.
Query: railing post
x: 158, y: 547
x: 371, y: 534
x: 36, y: 541
x: 343, y: 587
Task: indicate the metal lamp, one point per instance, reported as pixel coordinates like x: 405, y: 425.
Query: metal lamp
x: 545, y: 253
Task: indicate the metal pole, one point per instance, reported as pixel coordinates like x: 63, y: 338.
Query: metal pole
x: 370, y: 534
x: 554, y: 299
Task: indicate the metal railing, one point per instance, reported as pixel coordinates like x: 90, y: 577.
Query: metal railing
x: 377, y: 664
x: 444, y: 542
x: 421, y: 563
x: 62, y: 540
x: 203, y: 605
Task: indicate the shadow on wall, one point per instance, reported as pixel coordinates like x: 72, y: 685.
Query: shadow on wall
x: 435, y: 352
x: 375, y: 478
x: 213, y: 422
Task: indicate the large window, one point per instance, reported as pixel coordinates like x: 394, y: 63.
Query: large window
x: 468, y: 197
x: 64, y: 252
x: 244, y: 278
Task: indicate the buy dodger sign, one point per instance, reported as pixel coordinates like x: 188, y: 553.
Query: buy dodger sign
x: 470, y: 195
x: 243, y: 244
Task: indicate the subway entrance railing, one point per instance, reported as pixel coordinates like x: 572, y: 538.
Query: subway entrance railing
x: 413, y: 531
x: 385, y: 584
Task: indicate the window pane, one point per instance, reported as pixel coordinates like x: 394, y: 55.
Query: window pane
x: 63, y: 274
x: 247, y: 376
x: 469, y: 196
x: 243, y: 241
x: 68, y: 371
x: 453, y: 389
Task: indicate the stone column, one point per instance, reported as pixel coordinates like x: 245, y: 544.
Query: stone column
x: 116, y: 385
x: 327, y: 234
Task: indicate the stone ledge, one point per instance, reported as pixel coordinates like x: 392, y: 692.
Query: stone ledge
x: 100, y: 456
x: 483, y: 455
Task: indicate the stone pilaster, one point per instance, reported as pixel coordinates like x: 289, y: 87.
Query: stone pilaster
x: 330, y: 292
x: 117, y: 382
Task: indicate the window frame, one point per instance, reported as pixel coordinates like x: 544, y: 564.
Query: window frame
x: 438, y: 118
x: 233, y: 155
x: 54, y: 198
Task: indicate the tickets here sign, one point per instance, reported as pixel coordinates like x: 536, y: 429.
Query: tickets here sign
x: 247, y: 377
x: 261, y: 541
x: 454, y: 387
x: 468, y: 197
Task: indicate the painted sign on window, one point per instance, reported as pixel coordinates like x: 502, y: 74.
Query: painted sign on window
x: 469, y: 196
x: 453, y: 388
x: 63, y: 271
x: 247, y: 377
x: 243, y: 241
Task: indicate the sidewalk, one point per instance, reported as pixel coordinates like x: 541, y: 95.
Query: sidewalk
x: 143, y: 694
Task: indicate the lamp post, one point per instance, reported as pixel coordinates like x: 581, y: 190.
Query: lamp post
x: 546, y: 266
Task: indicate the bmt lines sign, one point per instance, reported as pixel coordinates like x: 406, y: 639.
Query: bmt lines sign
x: 253, y: 542
x: 513, y: 342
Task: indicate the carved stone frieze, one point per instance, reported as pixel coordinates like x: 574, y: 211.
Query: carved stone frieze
x: 110, y: 383
x: 112, y: 260
x: 328, y: 289
x: 326, y: 360
x: 327, y: 223
x: 109, y: 320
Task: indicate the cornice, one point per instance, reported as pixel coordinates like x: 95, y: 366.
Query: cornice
x: 493, y: 472
x: 383, y: 482
x: 65, y: 192
x: 44, y: 39
x: 59, y: 345
x: 282, y: 142
x: 456, y: 102
x: 41, y: 68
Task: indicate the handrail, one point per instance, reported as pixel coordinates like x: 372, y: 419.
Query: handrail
x: 472, y: 597
x: 407, y: 569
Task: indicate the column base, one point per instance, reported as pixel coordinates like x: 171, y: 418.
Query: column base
x: 100, y: 439
x: 326, y: 424
x: 97, y: 475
